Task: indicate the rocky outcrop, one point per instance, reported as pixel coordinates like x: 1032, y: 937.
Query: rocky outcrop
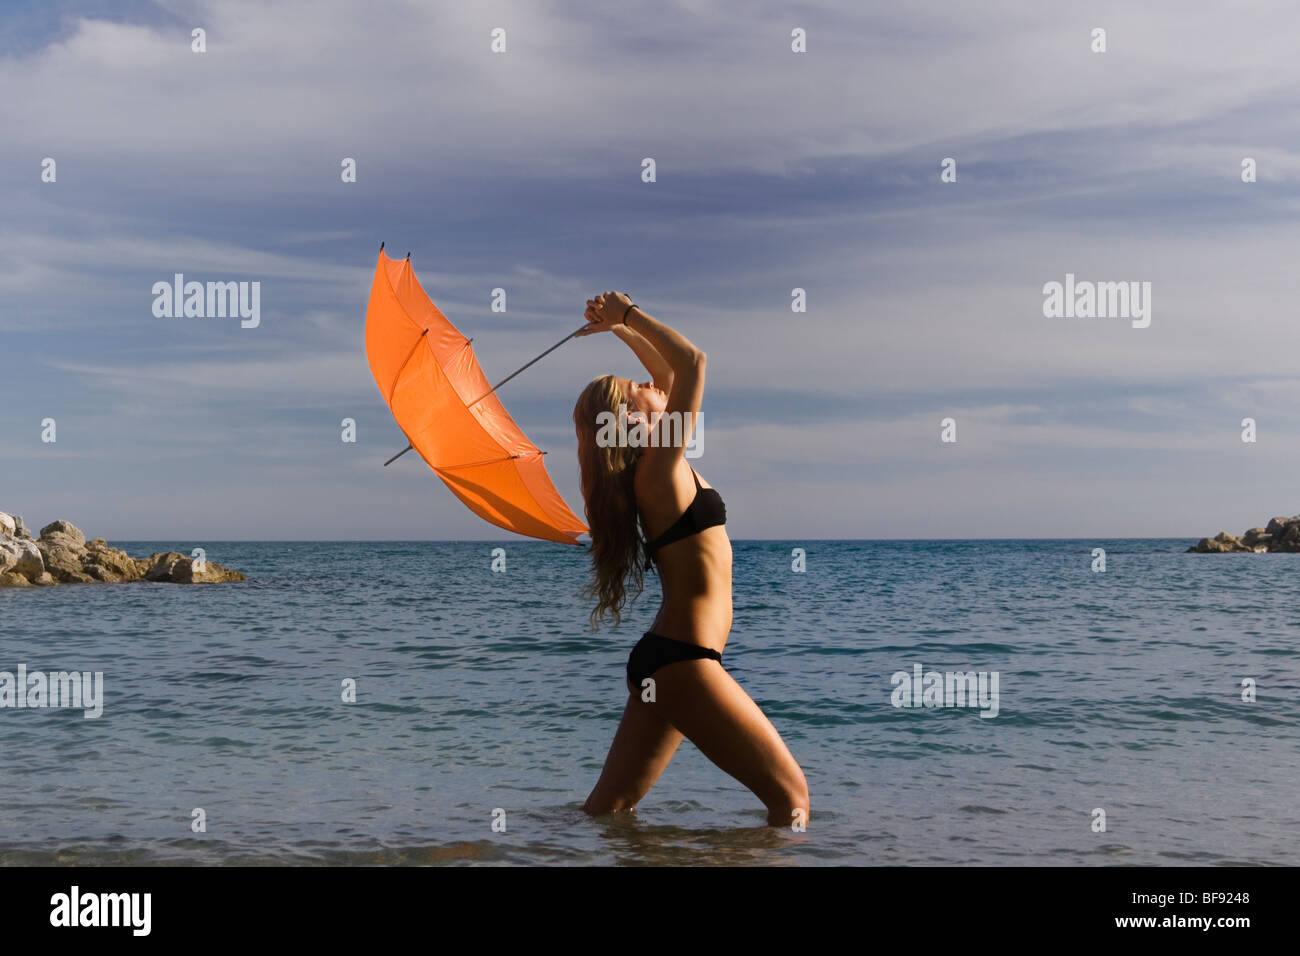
x: 63, y: 556
x: 1280, y: 534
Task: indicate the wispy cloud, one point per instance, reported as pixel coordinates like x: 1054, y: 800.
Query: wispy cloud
x: 775, y: 171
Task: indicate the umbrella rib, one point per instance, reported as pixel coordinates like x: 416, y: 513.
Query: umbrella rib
x: 490, y: 461
x: 405, y: 362
x: 485, y: 394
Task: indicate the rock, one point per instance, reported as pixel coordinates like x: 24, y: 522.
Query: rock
x: 101, y: 573
x: 31, y: 563
x: 20, y: 556
x: 176, y: 568
x: 1277, y: 526
x: 63, y: 557
x: 7, y: 524
x: 21, y: 530
x: 1230, y: 542
x: 109, y: 564
x: 1251, y: 537
x: 10, y: 579
x: 212, y: 573
x: 44, y: 578
x: 161, y: 564
x: 57, y: 539
x: 1288, y: 541
x: 1221, y: 543
x: 64, y: 527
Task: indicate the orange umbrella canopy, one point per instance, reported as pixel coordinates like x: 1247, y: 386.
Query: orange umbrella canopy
x: 427, y: 373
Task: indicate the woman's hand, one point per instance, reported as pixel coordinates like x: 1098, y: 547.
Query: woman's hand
x: 605, y: 312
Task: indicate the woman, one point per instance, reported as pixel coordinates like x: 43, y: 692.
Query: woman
x: 677, y: 685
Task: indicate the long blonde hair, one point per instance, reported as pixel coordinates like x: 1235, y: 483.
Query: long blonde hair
x: 617, y: 547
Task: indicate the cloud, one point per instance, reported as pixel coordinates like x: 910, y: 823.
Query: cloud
x: 775, y: 171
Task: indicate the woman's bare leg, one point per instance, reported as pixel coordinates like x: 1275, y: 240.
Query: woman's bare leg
x: 706, y: 704
x: 643, y: 745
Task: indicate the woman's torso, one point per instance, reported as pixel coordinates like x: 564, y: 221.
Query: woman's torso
x: 694, y: 572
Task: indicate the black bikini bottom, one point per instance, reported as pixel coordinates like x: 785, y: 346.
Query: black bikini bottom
x: 654, y: 651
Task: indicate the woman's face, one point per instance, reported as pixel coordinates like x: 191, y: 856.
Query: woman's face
x: 644, y: 397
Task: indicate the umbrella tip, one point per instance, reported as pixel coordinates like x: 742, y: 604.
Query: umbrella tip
x: 381, y: 247
x: 408, y: 255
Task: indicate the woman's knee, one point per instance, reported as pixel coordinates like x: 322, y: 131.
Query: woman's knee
x: 789, y: 801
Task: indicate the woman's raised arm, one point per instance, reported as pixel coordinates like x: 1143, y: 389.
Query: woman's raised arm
x: 661, y: 373
x: 684, y: 359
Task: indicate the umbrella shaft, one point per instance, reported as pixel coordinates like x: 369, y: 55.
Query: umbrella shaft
x: 522, y: 367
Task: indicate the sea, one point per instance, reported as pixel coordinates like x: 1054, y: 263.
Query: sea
x: 408, y: 703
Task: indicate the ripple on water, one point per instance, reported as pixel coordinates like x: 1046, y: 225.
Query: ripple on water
x: 476, y: 694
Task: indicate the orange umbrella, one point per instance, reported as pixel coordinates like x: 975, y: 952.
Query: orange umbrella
x: 443, y: 403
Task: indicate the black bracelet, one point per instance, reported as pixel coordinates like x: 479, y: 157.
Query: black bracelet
x: 629, y: 309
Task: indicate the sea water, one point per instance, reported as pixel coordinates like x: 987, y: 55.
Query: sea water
x: 1163, y: 692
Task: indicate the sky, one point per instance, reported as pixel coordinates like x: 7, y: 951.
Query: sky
x: 775, y: 170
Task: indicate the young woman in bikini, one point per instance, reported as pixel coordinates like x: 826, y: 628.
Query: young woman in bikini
x: 677, y: 685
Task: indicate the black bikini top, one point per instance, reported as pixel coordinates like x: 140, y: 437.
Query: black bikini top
x: 705, y: 511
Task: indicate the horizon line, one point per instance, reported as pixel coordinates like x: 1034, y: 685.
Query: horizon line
x: 733, y: 540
